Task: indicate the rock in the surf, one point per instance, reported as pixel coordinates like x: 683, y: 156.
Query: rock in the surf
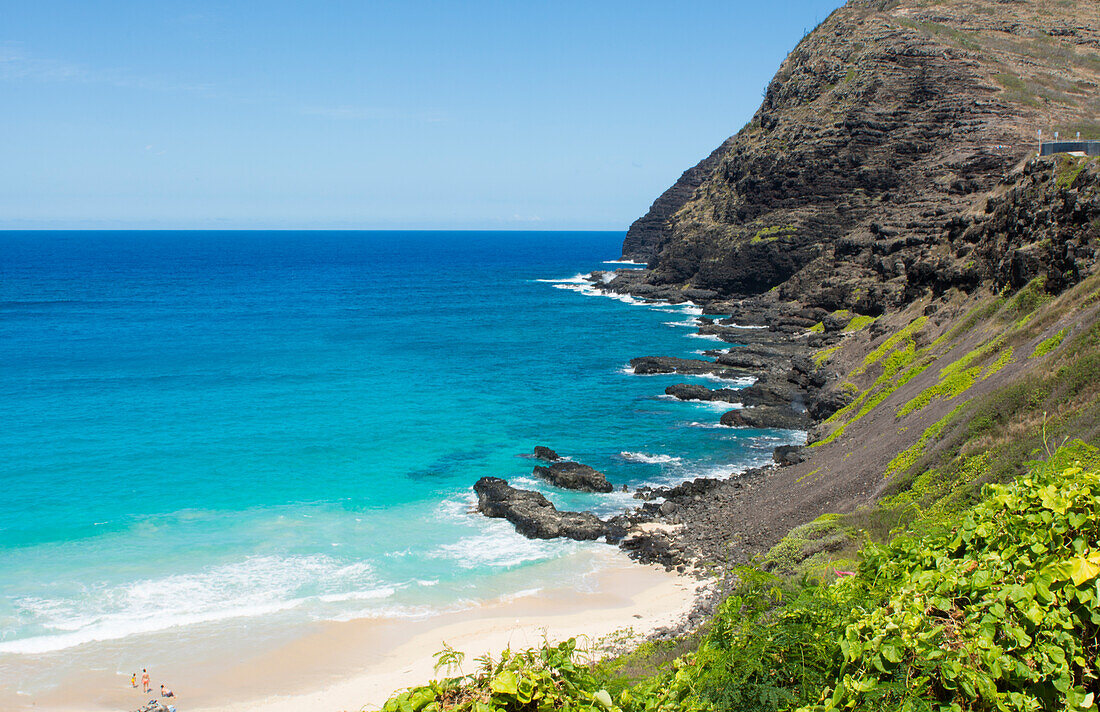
x: 546, y: 454
x: 534, y: 516
x: 766, y: 416
x: 574, y: 476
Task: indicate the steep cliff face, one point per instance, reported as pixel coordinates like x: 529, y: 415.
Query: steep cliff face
x: 882, y: 128
x: 648, y: 234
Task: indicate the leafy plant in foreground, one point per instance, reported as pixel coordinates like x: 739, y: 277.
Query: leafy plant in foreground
x: 533, y: 680
x: 998, y: 613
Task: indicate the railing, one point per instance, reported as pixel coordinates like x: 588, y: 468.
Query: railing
x: 1089, y: 148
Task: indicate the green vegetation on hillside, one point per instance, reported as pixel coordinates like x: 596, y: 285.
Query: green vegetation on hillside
x: 996, y: 608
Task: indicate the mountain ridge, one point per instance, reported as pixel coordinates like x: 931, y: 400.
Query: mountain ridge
x: 885, y: 123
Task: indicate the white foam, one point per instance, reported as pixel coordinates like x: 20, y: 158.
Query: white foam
x: 691, y: 323
x: 736, y: 380
x: 629, y: 370
x: 647, y: 458
x: 623, y: 262
x: 385, y: 592
x: 258, y: 585
x: 498, y: 545
x: 585, y: 284
x: 708, y: 426
x: 575, y: 279
x: 719, y: 405
x: 708, y: 337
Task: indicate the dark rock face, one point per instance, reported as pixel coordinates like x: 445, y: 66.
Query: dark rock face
x: 766, y: 416
x: 546, y: 454
x: 648, y: 233
x: 645, y: 365
x: 880, y: 129
x: 786, y: 455
x: 1046, y: 225
x: 765, y: 392
x: 532, y: 514
x: 574, y: 476
x: 828, y: 402
x: 692, y: 391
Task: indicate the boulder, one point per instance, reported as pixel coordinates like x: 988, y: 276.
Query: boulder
x: 786, y: 455
x: 546, y: 454
x: 766, y: 416
x: 828, y: 402
x: 574, y: 476
x: 534, y: 516
x: 667, y: 364
x: 692, y: 391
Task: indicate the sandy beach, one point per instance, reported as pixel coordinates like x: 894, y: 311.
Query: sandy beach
x: 358, y: 664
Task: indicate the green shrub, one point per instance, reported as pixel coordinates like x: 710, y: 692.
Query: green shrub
x: 858, y: 323
x: 542, y: 679
x: 951, y: 386
x: 998, y: 612
x: 1048, y: 345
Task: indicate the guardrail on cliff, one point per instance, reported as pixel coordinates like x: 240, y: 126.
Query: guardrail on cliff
x: 1087, y: 148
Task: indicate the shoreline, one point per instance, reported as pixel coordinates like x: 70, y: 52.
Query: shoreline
x: 646, y: 584
x: 358, y: 664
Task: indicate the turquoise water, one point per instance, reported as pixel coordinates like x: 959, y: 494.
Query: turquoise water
x: 202, y: 426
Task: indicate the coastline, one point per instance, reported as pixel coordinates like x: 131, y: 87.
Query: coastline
x: 358, y: 664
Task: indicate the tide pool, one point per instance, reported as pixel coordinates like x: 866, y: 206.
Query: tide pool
x: 208, y: 426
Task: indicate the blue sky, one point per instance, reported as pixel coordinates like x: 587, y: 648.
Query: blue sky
x: 372, y: 115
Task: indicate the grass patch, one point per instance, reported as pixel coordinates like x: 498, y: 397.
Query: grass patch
x: 904, y: 460
x: 949, y: 387
x: 1067, y: 170
x: 1047, y: 345
x: 1003, y: 360
x: 1010, y: 81
x: 905, y: 333
x: 772, y: 233
x: 858, y: 323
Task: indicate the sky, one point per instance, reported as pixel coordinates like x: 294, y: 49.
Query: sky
x: 525, y: 114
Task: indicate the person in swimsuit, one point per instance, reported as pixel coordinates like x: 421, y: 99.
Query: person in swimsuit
x: 133, y: 680
x: 165, y: 692
x: 144, y: 680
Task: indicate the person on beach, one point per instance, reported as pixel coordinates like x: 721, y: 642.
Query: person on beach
x: 144, y: 680
x: 133, y: 680
x: 165, y: 692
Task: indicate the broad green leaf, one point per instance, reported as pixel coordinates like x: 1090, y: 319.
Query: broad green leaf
x: 1084, y: 569
x: 604, y: 699
x: 505, y: 683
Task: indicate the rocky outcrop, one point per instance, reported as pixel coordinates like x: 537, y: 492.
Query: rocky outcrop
x: 545, y: 454
x: 647, y: 234
x: 1044, y: 223
x: 829, y: 401
x: 573, y: 475
x: 766, y: 416
x: 695, y: 392
x: 534, y: 516
x: 647, y: 365
x: 880, y: 129
x: 787, y: 455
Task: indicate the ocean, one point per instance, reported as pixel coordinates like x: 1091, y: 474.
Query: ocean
x: 276, y: 427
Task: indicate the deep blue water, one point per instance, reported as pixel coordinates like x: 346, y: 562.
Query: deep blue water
x: 210, y: 425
